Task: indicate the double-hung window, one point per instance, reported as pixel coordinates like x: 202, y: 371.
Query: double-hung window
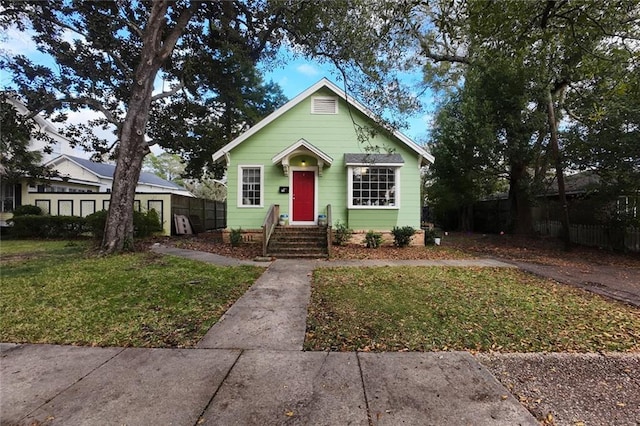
x: 7, y: 196
x: 250, y: 186
x: 373, y: 180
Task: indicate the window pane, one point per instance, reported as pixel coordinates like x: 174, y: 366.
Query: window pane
x: 251, y: 187
x: 373, y: 186
x: 7, y: 194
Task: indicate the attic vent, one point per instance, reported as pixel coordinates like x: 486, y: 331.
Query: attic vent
x: 324, y: 105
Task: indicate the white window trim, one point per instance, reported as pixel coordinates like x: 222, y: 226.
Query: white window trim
x: 333, y: 98
x: 350, y: 187
x: 250, y: 166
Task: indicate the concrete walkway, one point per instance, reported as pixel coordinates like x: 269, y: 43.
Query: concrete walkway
x: 271, y: 315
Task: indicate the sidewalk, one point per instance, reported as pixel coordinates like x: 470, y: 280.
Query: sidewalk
x: 249, y: 369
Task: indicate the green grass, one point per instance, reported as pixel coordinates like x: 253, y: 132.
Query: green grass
x: 476, y: 309
x: 31, y: 248
x: 57, y: 292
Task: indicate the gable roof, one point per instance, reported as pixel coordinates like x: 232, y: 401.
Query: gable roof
x: 45, y: 125
x: 302, y: 143
x: 326, y: 84
x: 107, y: 171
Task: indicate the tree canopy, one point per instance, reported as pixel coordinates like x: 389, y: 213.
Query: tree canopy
x: 540, y: 69
x: 17, y: 158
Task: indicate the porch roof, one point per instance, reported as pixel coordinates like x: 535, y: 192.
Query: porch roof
x: 373, y: 159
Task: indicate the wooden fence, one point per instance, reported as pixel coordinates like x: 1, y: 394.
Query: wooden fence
x: 612, y: 238
x: 205, y: 215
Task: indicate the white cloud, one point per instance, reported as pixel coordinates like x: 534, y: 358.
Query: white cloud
x: 308, y: 70
x: 82, y: 117
x: 283, y: 82
x: 15, y: 42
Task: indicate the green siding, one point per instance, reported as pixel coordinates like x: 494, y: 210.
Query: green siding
x: 334, y: 135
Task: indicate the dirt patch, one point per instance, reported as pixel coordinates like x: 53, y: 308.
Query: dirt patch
x: 210, y: 243
x: 353, y: 251
x: 11, y: 258
x: 539, y: 250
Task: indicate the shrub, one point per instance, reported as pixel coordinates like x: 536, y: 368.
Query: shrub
x: 402, y: 235
x: 429, y: 237
x: 27, y: 209
x: 342, y: 233
x: 95, y: 223
x: 235, y: 237
x: 29, y: 226
x: 373, y: 239
x: 144, y: 223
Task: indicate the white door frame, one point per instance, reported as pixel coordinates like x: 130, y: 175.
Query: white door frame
x: 313, y: 169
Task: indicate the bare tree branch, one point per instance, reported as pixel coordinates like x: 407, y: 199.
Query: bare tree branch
x: 79, y: 101
x: 439, y: 57
x: 176, y: 32
x: 168, y: 93
x: 132, y: 25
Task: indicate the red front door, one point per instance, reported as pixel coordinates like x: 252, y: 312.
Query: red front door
x: 303, y: 196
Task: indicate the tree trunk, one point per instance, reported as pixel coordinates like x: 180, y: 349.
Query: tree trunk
x: 466, y: 218
x: 555, y: 148
x: 132, y: 147
x: 521, y: 222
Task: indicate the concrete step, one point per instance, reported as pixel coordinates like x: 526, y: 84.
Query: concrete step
x: 297, y: 255
x: 298, y: 242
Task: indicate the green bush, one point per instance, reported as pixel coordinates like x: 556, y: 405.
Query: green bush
x: 342, y: 233
x: 429, y: 237
x: 27, y: 209
x: 235, y: 237
x: 373, y: 239
x: 402, y: 235
x: 30, y: 226
x: 144, y: 223
x: 95, y: 223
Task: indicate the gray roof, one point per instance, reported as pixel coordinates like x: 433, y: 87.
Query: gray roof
x: 577, y: 183
x: 107, y: 170
x: 373, y: 159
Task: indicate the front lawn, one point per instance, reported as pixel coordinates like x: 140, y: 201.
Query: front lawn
x: 476, y: 309
x: 56, y: 292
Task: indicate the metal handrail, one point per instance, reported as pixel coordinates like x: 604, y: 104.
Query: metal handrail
x: 268, y: 225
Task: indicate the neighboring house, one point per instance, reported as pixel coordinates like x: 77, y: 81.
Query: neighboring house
x: 307, y: 155
x: 59, y: 144
x: 10, y: 194
x: 81, y: 175
x: 584, y: 200
x: 82, y: 186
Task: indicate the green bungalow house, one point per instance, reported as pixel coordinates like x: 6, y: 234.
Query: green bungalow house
x: 304, y: 163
